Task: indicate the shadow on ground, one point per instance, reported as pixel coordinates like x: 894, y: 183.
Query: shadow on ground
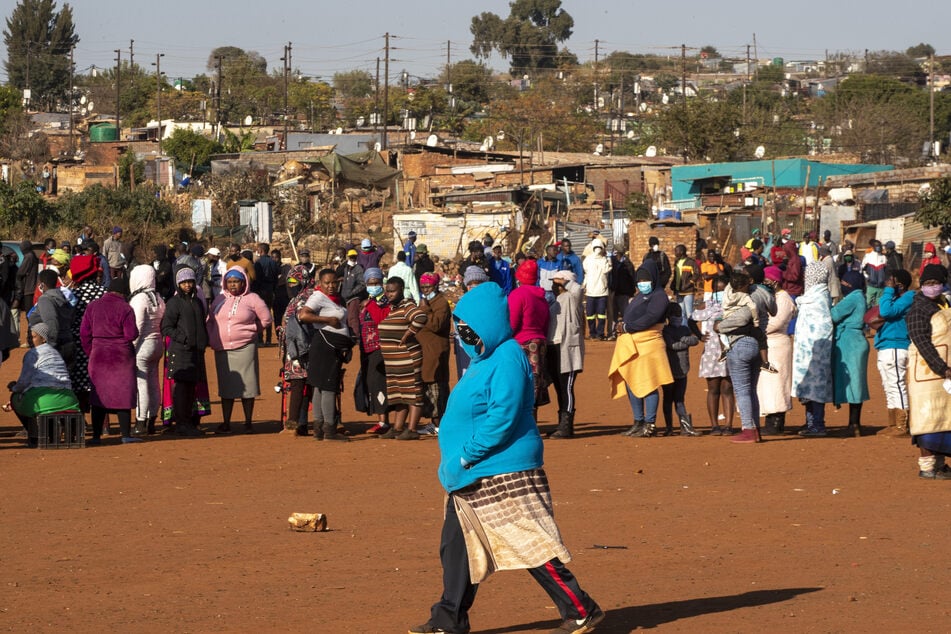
x: 628, y: 619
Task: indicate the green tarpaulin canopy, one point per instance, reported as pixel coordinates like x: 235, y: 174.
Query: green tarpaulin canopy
x: 364, y: 168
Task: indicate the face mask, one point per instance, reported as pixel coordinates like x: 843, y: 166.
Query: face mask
x: 655, y: 248
x: 931, y: 290
x: 352, y: 261
x: 644, y: 287
x: 375, y: 291
x: 470, y: 340
x: 430, y: 295
x: 718, y: 297
x: 848, y: 258
x: 784, y: 241
x: 878, y: 249
x: 928, y: 256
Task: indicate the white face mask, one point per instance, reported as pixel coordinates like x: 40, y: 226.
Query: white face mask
x: 655, y: 248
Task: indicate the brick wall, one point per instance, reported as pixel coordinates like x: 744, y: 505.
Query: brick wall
x: 670, y: 235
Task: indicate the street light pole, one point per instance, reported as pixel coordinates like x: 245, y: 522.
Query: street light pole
x: 158, y: 97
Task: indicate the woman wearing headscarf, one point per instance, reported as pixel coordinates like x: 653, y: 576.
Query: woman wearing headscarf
x: 43, y: 386
x: 403, y: 357
x: 294, y: 344
x: 565, y: 351
x: 372, y: 368
x: 237, y: 317
x: 107, y: 335
x: 528, y: 316
x: 812, y: 350
x: 434, y: 339
x: 86, y: 289
x: 929, y: 329
x: 850, y: 350
x: 928, y: 256
x: 639, y: 365
x: 186, y: 338
x: 329, y: 348
x: 149, y: 308
x: 773, y: 388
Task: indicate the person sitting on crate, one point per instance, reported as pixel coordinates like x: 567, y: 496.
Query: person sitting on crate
x: 43, y: 387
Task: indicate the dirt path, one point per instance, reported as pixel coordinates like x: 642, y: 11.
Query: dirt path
x: 816, y: 535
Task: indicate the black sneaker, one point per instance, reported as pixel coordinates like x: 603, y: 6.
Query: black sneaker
x: 427, y: 628
x: 935, y: 474
x: 574, y: 626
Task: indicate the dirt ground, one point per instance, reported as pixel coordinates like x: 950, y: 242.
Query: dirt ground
x: 183, y: 535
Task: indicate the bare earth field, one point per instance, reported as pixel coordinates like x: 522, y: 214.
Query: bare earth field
x: 176, y: 535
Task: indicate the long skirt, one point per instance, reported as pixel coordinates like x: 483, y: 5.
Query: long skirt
x: 202, y: 406
x: 238, y: 372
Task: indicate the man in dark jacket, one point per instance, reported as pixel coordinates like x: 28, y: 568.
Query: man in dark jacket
x: 622, y: 286
x: 424, y: 263
x: 184, y: 325
x: 25, y: 281
x: 54, y: 310
x: 660, y: 260
x: 266, y: 274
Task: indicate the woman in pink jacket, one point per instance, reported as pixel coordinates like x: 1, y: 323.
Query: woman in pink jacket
x: 528, y: 316
x: 237, y: 317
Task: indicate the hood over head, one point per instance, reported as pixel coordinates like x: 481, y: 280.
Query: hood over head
x: 791, y: 250
x: 649, y: 267
x: 929, y: 248
x: 232, y: 272
x: 142, y: 278
x: 486, y: 310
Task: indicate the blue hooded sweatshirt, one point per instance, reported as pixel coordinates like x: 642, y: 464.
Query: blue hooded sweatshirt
x: 488, y: 428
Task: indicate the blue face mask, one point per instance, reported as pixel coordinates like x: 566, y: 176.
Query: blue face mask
x: 375, y: 291
x: 645, y: 287
x: 718, y: 297
x: 430, y: 295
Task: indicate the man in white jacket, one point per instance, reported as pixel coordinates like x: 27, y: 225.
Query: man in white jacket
x: 596, y: 267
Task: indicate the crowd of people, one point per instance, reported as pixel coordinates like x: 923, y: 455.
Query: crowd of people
x: 126, y: 339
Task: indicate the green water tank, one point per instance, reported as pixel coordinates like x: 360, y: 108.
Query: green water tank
x: 103, y: 132
x: 778, y: 62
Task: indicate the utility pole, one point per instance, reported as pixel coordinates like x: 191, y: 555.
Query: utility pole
x: 932, y: 153
x: 287, y: 69
x: 118, y: 87
x: 218, y: 59
x: 755, y: 53
x: 376, y: 101
x: 158, y: 99
x: 746, y: 82
x: 452, y: 100
x: 597, y: 43
x: 132, y: 63
x: 683, y: 89
x: 386, y: 89
x: 72, y: 150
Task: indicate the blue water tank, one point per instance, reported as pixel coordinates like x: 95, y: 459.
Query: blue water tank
x: 669, y: 214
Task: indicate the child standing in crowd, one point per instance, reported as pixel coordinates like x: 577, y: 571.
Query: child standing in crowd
x: 679, y: 340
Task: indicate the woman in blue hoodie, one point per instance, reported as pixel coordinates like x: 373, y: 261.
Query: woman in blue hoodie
x: 491, y: 466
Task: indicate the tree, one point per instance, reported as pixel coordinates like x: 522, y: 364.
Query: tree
x: 190, y: 149
x: 354, y: 84
x: 529, y: 36
x: 246, y: 88
x: 706, y: 131
x: 38, y: 40
x: 23, y: 209
x: 142, y: 210
x: 920, y: 50
x: 710, y: 52
x: 471, y: 81
x: 935, y: 210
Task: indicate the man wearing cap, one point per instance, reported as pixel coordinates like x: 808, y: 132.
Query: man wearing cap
x: 304, y: 261
x: 893, y: 259
x: 353, y: 290
x: 369, y: 255
x: 112, y: 249
x: 215, y: 268
x: 424, y: 264
x: 409, y: 247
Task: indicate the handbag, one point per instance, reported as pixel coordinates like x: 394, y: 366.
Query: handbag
x: 873, y: 318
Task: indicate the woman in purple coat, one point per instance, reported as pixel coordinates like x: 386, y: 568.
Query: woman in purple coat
x: 107, y: 334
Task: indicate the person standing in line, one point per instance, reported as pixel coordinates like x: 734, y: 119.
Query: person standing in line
x: 403, y: 359
x: 183, y: 327
x: 566, y: 324
x: 149, y: 308
x: 353, y: 290
x: 294, y: 345
x: 370, y: 255
x: 683, y: 283
x: 372, y: 368
x: 660, y: 261
x: 108, y: 333
x: 639, y: 366
x: 409, y: 248
x: 547, y: 267
x: 622, y: 286
x: 424, y: 264
x: 874, y: 266
x: 528, y: 316
x: 236, y: 320
x: 87, y: 288
x: 812, y: 350
x: 713, y: 363
x: 808, y: 249
x: 498, y: 513
x: 891, y: 347
x: 264, y: 285
x: 928, y: 256
x: 773, y: 389
x: 894, y: 261
x: 434, y: 339
x: 164, y: 278
x: 26, y: 279
x: 710, y: 269
x: 850, y: 351
x: 402, y: 270
x: 597, y: 269
x: 309, y: 266
x: 112, y: 249
x: 329, y: 350
x: 679, y: 339
x: 569, y: 261
x: 500, y: 271
x: 215, y: 269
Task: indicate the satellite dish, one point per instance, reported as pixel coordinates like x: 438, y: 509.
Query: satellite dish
x: 665, y: 99
x: 487, y: 143
x: 412, y: 135
x: 339, y: 131
x: 83, y: 111
x: 248, y: 120
x: 630, y: 134
x: 643, y: 106
x: 501, y: 135
x: 483, y: 148
x: 600, y: 102
x: 599, y: 150
x: 360, y: 122
x: 651, y: 151
x: 760, y: 152
x: 82, y: 100
x: 377, y: 147
x: 91, y: 106
x: 432, y: 141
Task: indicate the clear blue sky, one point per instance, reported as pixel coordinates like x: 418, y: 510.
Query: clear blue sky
x: 329, y: 37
